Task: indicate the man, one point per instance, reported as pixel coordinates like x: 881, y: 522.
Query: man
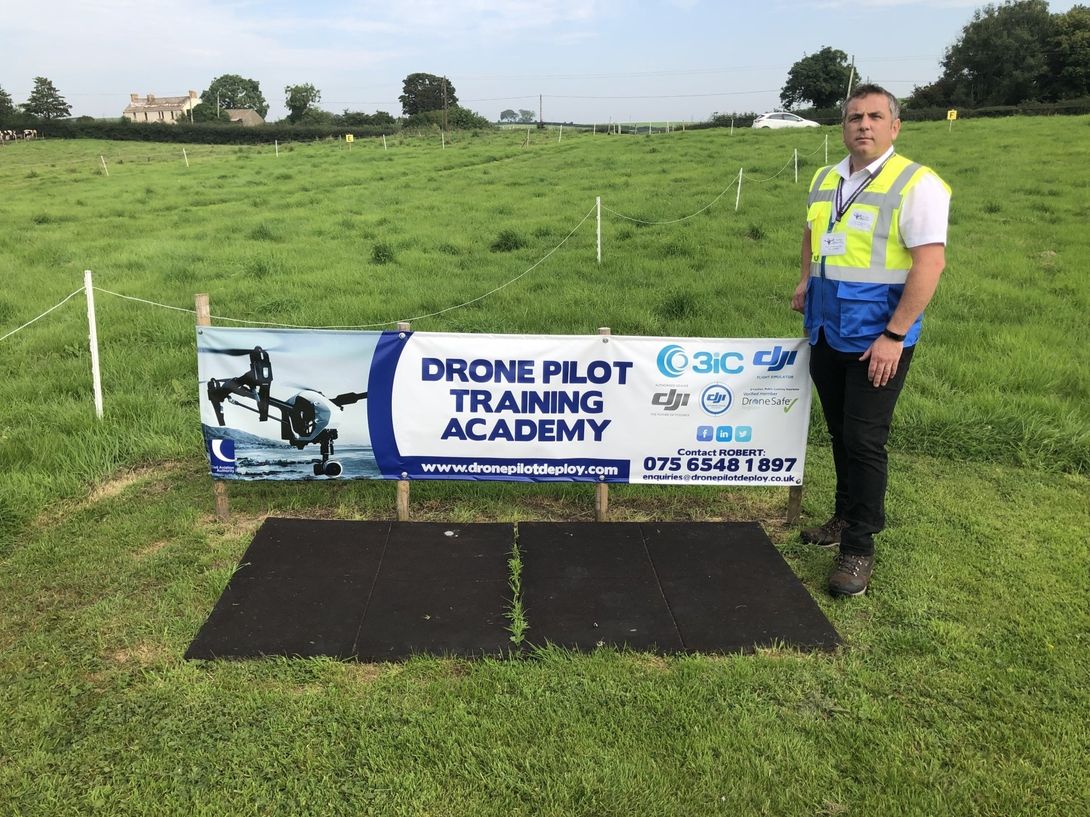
x: 872, y: 253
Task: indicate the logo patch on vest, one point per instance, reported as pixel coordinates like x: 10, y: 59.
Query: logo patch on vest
x: 861, y: 220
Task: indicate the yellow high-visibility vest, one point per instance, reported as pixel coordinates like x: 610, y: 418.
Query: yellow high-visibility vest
x: 875, y: 253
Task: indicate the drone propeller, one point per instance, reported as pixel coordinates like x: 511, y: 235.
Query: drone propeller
x: 239, y: 352
x: 347, y: 398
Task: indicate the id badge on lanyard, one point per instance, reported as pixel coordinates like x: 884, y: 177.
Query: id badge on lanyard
x: 834, y: 244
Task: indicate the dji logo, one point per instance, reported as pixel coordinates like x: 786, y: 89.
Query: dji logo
x: 774, y: 359
x: 670, y: 400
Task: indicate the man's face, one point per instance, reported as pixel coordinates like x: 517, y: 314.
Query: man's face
x: 869, y: 129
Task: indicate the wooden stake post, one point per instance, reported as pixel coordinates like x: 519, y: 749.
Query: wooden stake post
x: 403, y: 484
x: 601, y: 490
x: 219, y: 490
x: 794, y: 504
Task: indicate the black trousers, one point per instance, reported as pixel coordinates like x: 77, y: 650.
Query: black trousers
x: 858, y: 416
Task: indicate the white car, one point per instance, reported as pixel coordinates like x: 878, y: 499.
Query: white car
x: 782, y: 119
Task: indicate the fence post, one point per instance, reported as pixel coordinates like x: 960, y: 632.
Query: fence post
x: 601, y: 490
x: 96, y: 373
x: 219, y: 490
x: 276, y: 147
x: 403, y: 484
x: 186, y: 157
x: 598, y: 207
x: 103, y: 160
x: 796, y: 165
x: 738, y: 195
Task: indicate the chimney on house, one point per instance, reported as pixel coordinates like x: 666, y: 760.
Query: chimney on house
x: 151, y: 99
x: 192, y: 94
x: 133, y: 98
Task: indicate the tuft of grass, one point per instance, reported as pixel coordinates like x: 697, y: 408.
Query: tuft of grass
x: 508, y: 240
x: 677, y: 306
x: 263, y: 232
x: 516, y: 614
x: 382, y: 253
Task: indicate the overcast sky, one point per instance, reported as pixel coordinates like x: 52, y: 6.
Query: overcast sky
x: 592, y: 60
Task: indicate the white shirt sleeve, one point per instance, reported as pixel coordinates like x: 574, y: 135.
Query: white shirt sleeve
x: 924, y: 213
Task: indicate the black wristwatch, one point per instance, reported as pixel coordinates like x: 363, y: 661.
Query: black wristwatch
x: 893, y: 335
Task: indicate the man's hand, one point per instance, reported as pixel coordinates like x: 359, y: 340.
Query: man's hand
x: 798, y: 300
x: 884, y: 355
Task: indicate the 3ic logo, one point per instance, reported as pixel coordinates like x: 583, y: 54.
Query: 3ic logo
x: 774, y: 359
x: 724, y: 434
x: 716, y: 399
x: 672, y: 360
x: 670, y: 400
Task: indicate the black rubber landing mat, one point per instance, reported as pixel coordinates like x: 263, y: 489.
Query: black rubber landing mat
x: 367, y: 590
x: 670, y: 587
x: 442, y: 590
x: 589, y: 584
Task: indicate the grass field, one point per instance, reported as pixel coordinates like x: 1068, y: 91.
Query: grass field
x: 964, y: 686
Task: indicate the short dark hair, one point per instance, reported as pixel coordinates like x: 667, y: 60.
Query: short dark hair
x: 866, y: 89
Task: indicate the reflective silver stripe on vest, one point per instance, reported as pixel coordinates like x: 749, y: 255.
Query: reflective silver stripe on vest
x: 874, y: 275
x: 816, y: 193
x: 890, y: 204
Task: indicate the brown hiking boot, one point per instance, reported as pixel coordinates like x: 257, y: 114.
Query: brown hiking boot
x: 826, y: 536
x: 851, y: 574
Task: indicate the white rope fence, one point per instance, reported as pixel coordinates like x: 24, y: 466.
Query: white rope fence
x: 33, y: 320
x: 673, y: 220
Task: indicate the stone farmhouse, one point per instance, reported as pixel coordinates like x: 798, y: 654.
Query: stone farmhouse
x: 166, y: 109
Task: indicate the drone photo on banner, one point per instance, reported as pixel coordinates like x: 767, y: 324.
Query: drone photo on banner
x: 267, y: 414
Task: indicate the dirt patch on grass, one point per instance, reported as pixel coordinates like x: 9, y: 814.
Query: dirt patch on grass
x: 237, y: 525
x: 150, y: 550
x: 122, y: 482
x: 140, y: 655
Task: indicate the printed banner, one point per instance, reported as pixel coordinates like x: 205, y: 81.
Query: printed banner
x: 307, y: 404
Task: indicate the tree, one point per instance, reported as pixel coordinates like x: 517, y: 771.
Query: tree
x: 508, y: 116
x: 202, y: 112
x: 299, y: 99
x: 7, y: 106
x: 525, y: 116
x: 821, y: 79
x: 315, y: 116
x: 1070, y: 54
x: 1002, y: 55
x: 426, y: 92
x: 358, y: 118
x: 45, y: 101
x: 233, y: 91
